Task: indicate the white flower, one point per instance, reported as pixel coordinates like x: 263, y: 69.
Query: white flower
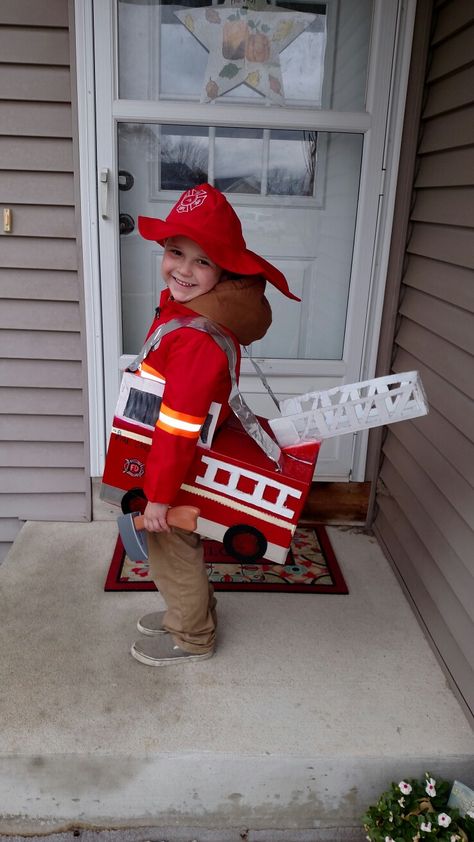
x: 470, y: 813
x: 390, y: 816
x: 404, y: 787
x: 444, y: 820
x: 430, y: 787
x: 454, y: 837
x: 426, y: 826
x: 401, y: 801
x: 388, y: 839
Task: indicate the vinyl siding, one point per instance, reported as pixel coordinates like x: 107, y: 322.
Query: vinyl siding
x: 43, y: 426
x: 425, y: 501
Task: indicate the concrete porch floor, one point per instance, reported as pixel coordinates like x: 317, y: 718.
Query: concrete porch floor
x: 312, y: 705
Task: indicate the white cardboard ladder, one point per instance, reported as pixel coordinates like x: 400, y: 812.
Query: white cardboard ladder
x: 349, y: 409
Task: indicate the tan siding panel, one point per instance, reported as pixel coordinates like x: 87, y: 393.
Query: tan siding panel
x: 455, y: 529
x: 41, y: 428
x: 56, y: 507
x: 448, y: 205
x: 433, y: 462
x: 21, y: 315
x: 448, y: 131
x: 41, y: 374
x: 24, y: 45
x: 39, y: 284
x: 450, y: 362
x: 42, y: 345
x: 38, y: 154
x: 453, y: 92
x: 442, y: 280
x: 9, y: 528
x: 36, y: 119
x: 39, y: 253
x: 452, y: 404
x: 4, y: 550
x: 447, y: 169
x: 454, y: 572
x: 456, y: 447
x: 37, y: 188
x: 452, y: 17
x: 41, y: 401
x: 43, y: 221
x: 449, y: 607
x: 42, y: 454
x: 35, y: 12
x: 452, y: 323
x: 451, y: 245
x: 32, y: 83
x: 46, y: 481
x: 452, y: 54
x: 389, y: 531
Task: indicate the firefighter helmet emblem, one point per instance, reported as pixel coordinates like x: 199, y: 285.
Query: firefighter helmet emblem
x: 191, y: 200
x: 133, y: 467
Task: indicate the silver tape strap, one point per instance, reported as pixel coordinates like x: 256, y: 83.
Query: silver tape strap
x: 262, y: 378
x: 247, y: 418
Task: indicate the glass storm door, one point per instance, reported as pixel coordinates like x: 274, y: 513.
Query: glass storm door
x: 283, y: 107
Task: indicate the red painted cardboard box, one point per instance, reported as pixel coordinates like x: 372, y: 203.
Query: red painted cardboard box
x: 245, y: 501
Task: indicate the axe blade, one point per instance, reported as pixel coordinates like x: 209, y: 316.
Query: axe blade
x: 134, y: 540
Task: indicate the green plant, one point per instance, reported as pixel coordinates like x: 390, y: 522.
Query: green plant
x: 415, y: 810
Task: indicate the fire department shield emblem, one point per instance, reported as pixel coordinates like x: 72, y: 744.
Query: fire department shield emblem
x: 191, y: 200
x: 133, y: 467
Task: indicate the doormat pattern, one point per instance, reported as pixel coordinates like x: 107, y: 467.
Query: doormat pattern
x: 311, y: 568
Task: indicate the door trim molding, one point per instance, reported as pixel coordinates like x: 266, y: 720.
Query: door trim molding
x: 85, y: 85
x: 387, y: 193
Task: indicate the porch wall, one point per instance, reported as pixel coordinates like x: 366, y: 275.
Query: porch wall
x: 425, y: 500
x: 43, y: 454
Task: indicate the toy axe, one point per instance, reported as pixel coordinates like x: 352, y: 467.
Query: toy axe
x: 133, y: 533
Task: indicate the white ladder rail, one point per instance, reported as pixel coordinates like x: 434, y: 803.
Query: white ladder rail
x: 255, y: 498
x: 348, y: 409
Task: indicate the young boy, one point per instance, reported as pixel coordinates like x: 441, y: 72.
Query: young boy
x: 208, y: 270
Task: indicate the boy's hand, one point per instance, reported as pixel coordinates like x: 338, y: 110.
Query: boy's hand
x: 155, y: 517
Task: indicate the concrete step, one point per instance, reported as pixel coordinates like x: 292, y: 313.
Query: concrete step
x: 312, y: 705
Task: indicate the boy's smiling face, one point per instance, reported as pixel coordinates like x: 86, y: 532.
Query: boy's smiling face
x: 187, y: 270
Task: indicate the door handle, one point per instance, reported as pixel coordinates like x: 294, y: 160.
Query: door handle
x: 126, y: 223
x: 104, y: 177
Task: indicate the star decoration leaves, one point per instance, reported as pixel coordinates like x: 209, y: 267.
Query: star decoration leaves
x: 244, y: 46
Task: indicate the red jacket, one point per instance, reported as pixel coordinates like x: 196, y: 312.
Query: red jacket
x: 196, y: 373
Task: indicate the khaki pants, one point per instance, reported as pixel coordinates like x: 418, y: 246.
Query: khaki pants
x: 177, y: 568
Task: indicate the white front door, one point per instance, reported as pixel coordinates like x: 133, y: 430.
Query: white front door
x: 302, y: 169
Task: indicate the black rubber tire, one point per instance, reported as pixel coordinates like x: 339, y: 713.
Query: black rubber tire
x: 235, y: 532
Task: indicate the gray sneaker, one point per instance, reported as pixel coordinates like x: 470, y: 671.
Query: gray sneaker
x: 159, y: 652
x: 152, y: 624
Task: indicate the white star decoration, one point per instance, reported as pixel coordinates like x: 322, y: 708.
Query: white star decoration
x: 244, y: 46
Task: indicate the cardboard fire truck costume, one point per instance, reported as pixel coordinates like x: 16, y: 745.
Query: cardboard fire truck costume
x: 250, y: 479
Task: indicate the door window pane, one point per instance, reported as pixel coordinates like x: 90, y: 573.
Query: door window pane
x: 299, y: 215
x: 184, y: 157
x: 238, y: 160
x: 292, y: 163
x: 304, y: 53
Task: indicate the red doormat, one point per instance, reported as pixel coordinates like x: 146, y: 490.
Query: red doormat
x: 311, y: 568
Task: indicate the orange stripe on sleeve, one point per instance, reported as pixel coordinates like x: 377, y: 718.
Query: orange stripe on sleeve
x: 176, y: 431
x: 182, y: 416
x: 147, y: 369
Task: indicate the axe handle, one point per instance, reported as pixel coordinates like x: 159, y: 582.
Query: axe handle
x: 184, y: 517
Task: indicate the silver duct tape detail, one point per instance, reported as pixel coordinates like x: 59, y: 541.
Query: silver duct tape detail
x: 155, y: 338
x: 247, y: 418
x: 111, y: 494
x: 252, y: 426
x: 263, y: 378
